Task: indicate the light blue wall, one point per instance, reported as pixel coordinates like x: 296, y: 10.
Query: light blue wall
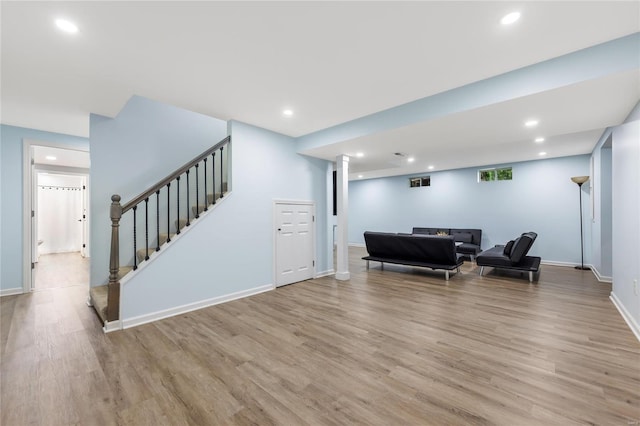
x: 599, y: 224
x: 541, y: 198
x: 11, y: 148
x: 606, y: 213
x: 232, y: 250
x: 626, y: 220
x: 146, y: 141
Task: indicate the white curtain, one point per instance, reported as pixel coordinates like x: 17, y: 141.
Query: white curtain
x: 59, y: 211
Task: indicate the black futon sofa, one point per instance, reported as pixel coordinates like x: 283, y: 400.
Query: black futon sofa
x: 468, y: 240
x: 429, y: 251
x: 513, y: 256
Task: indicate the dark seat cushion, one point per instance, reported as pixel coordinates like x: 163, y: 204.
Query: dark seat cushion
x: 494, y: 257
x: 508, y: 247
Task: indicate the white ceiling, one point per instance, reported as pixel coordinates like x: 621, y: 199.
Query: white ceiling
x: 330, y: 62
x: 51, y: 156
x: 572, y: 119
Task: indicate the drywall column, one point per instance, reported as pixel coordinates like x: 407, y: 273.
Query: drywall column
x: 342, y: 201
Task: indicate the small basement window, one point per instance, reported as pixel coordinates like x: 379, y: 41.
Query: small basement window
x: 416, y: 182
x: 487, y: 175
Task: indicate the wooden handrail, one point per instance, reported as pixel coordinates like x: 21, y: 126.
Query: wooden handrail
x: 174, y: 175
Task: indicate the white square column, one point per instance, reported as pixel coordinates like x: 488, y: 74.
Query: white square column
x: 342, y: 201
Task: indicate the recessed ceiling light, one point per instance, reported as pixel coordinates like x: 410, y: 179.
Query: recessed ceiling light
x: 359, y: 154
x: 411, y: 159
x: 430, y: 167
x: 360, y: 176
x: 50, y: 157
x: 531, y: 123
x: 510, y: 18
x: 67, y: 26
x: 539, y: 140
x: 542, y: 153
x: 287, y: 112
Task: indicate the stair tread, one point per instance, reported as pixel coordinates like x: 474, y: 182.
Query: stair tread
x: 197, y: 209
x: 124, y: 270
x: 99, y: 299
x: 142, y: 252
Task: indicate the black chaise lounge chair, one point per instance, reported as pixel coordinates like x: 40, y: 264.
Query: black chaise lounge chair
x: 512, y: 256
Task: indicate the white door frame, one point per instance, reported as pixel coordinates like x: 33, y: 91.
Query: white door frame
x: 275, y: 234
x: 28, y: 194
x: 85, y: 250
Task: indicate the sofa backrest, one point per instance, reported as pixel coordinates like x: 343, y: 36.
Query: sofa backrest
x: 429, y: 231
x: 459, y: 234
x: 377, y: 244
x: 462, y: 235
x: 521, y: 246
x: 418, y: 248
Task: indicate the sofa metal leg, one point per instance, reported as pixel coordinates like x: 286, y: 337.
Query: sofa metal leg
x: 367, y: 264
x: 446, y: 275
x: 458, y: 270
x: 481, y: 270
x: 530, y: 276
x: 382, y: 266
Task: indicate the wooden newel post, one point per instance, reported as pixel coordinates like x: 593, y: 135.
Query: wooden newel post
x: 113, y: 295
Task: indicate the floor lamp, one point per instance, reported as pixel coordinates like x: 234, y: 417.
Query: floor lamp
x: 580, y: 180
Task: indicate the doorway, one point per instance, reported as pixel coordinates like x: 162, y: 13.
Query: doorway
x: 294, y: 225
x: 56, y: 231
x: 60, y: 216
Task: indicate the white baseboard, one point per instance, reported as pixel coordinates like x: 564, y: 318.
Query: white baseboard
x: 325, y: 273
x: 11, y: 291
x: 631, y: 322
x: 112, y: 326
x: 342, y: 276
x: 601, y: 278
x: 559, y: 263
x: 357, y: 245
x: 178, y: 310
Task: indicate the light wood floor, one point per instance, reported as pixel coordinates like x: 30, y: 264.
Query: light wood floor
x: 393, y: 347
x: 61, y: 270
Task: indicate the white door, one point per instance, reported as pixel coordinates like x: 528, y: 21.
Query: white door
x: 294, y: 242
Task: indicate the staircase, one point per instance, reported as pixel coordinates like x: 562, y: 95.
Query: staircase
x: 201, y: 183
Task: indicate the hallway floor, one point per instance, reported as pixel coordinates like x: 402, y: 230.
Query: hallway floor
x: 61, y: 270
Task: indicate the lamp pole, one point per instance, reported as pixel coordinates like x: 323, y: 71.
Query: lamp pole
x: 580, y: 180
